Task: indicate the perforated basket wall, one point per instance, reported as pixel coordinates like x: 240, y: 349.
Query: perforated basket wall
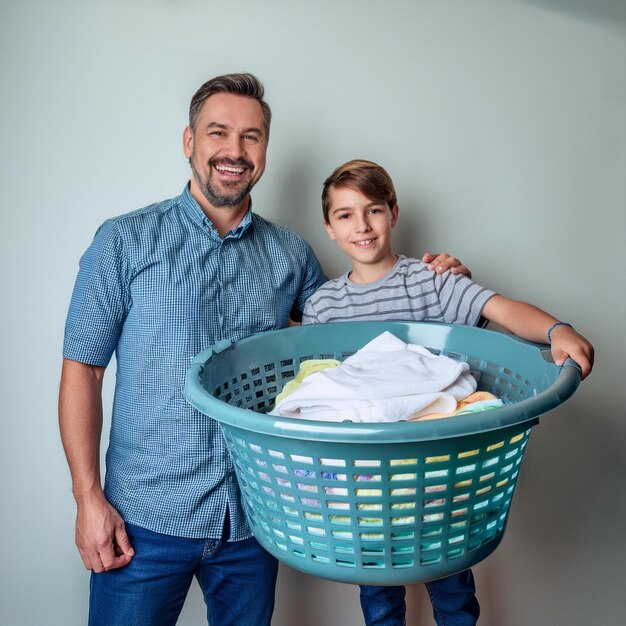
x: 375, y: 503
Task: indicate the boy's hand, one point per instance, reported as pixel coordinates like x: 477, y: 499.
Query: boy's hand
x: 443, y: 262
x: 566, y: 342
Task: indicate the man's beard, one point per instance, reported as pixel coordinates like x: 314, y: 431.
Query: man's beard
x: 219, y: 197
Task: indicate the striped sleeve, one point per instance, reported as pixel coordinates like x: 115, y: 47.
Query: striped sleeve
x: 461, y: 299
x: 309, y: 316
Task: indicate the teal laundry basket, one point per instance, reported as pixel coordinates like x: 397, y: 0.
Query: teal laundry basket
x: 377, y: 503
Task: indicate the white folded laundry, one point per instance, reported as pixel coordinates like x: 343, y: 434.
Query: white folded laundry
x: 387, y: 380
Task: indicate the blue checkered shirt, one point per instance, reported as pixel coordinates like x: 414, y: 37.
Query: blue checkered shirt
x: 156, y: 287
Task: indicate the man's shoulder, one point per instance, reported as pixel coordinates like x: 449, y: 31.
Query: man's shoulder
x: 270, y: 229
x: 150, y: 213
x: 140, y: 224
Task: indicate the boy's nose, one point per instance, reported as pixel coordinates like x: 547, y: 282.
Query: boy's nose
x: 363, y: 225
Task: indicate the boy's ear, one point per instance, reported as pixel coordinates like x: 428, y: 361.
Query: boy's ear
x: 329, y: 230
x: 394, y: 214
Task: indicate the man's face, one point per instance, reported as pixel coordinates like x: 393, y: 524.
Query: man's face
x: 226, y: 150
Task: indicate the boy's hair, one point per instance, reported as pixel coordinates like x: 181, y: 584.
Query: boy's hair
x: 246, y: 85
x: 366, y: 177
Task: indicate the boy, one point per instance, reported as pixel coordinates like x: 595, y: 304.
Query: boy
x: 360, y: 210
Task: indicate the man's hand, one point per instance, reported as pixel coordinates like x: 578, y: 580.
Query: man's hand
x: 443, y: 262
x: 101, y: 535
x: 100, y: 531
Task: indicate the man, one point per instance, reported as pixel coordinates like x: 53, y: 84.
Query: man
x: 157, y: 286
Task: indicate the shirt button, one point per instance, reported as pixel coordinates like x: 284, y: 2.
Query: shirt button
x: 231, y: 478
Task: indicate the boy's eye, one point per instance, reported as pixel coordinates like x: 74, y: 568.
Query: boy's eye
x: 343, y: 216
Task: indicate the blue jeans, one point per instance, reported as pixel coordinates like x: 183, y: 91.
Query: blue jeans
x: 237, y: 580
x: 453, y: 599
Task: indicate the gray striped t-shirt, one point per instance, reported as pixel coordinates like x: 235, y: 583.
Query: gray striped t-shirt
x: 409, y: 292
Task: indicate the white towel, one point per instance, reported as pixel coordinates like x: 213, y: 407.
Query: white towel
x: 386, y: 381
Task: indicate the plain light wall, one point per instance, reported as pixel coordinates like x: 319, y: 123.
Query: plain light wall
x: 504, y: 127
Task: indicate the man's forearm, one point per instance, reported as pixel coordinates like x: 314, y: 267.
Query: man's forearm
x: 101, y: 536
x: 80, y: 422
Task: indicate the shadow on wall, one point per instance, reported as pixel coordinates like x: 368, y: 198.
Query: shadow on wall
x: 296, y: 197
x: 574, y: 475
x: 607, y: 12
x: 298, y: 600
x: 296, y: 200
x: 413, y: 236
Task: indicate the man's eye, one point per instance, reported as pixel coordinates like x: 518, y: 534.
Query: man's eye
x: 251, y: 138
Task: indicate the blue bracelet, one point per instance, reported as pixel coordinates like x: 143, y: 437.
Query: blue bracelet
x: 554, y: 326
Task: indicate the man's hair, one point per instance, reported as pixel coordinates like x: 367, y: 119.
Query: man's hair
x: 246, y: 85
x: 366, y: 177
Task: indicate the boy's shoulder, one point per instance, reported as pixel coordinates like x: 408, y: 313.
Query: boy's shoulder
x: 405, y: 266
x: 331, y: 286
x: 411, y: 264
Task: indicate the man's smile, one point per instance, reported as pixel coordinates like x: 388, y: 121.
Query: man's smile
x: 229, y: 169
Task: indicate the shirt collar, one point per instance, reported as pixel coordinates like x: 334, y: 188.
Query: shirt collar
x: 195, y: 212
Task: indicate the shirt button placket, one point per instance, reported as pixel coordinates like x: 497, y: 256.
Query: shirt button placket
x: 220, y: 289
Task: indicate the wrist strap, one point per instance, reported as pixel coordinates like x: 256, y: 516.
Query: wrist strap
x: 554, y: 326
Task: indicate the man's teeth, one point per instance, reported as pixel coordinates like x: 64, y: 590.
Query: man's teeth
x: 230, y: 169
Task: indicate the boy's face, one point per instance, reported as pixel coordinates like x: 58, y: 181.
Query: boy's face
x: 360, y: 226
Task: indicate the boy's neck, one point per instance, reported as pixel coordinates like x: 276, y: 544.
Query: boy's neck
x: 363, y: 273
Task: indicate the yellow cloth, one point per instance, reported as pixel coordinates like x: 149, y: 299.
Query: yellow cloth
x: 306, y: 369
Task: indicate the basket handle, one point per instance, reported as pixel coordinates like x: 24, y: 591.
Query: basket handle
x: 216, y: 348
x: 547, y: 356
x: 192, y: 392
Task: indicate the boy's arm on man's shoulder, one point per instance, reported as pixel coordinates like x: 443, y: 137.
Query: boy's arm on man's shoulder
x: 443, y: 262
x: 531, y: 323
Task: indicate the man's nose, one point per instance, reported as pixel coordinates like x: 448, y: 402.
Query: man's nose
x: 235, y: 147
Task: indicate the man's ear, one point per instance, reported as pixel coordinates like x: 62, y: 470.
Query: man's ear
x: 394, y: 214
x: 188, y: 142
x: 329, y: 230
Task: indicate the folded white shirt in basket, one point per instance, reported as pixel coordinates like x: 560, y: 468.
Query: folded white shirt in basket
x: 386, y: 381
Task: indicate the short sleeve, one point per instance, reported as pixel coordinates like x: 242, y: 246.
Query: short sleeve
x: 100, y: 300
x: 461, y: 299
x: 309, y: 316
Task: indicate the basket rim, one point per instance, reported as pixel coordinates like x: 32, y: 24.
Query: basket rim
x: 527, y: 410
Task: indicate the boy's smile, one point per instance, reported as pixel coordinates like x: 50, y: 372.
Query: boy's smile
x: 362, y: 229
